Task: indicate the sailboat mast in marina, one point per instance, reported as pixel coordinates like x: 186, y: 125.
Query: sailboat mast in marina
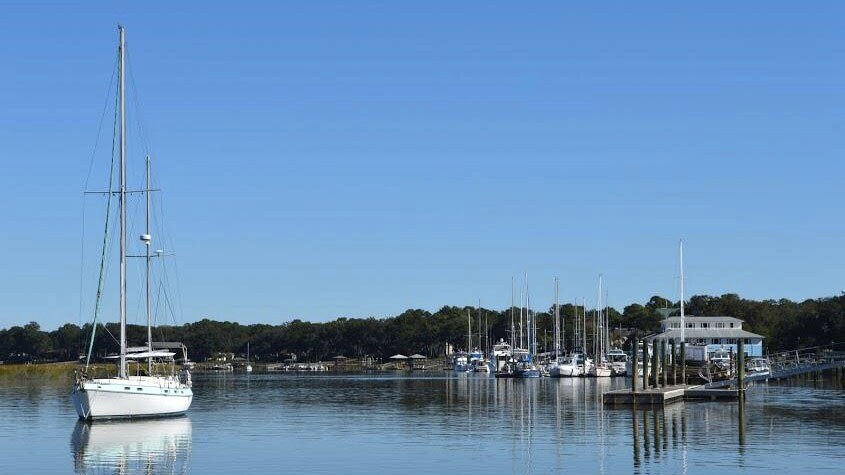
x: 139, y: 395
x: 681, y: 258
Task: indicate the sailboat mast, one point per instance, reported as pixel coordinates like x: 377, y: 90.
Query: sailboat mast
x: 600, y: 318
x: 147, y: 238
x: 529, y: 319
x: 521, y: 325
x: 576, y: 326
x: 557, y: 323
x: 606, y: 322
x: 681, y: 252
x: 562, y: 331
x: 513, y: 334
x: 122, y: 85
x: 582, y: 327
x: 478, y: 319
x: 469, y: 332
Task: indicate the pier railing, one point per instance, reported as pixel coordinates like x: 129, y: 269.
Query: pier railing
x: 784, y: 364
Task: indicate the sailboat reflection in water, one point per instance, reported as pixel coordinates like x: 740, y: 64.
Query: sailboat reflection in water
x: 145, y: 446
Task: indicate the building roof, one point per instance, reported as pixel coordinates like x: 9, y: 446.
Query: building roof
x: 707, y: 319
x: 675, y: 333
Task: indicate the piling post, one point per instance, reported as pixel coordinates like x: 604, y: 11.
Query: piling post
x: 655, y: 363
x: 634, y: 366
x: 645, y: 365
x: 683, y: 362
x: 674, y: 364
x: 664, y: 345
x: 740, y: 365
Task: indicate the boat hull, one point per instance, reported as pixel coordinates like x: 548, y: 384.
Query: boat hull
x: 117, y: 399
x: 600, y: 372
x: 528, y: 373
x: 565, y: 371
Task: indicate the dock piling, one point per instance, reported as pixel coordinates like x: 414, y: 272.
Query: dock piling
x: 655, y: 364
x: 645, y: 365
x: 740, y: 365
x: 635, y: 366
x: 674, y: 365
x: 664, y: 354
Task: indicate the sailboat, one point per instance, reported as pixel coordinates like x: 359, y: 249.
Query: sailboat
x: 460, y: 360
x: 601, y: 367
x: 524, y: 357
x: 137, y: 395
x: 502, y: 359
x: 248, y: 364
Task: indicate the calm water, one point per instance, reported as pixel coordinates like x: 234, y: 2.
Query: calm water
x: 426, y: 423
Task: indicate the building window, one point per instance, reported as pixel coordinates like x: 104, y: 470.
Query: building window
x: 732, y: 324
x: 703, y: 325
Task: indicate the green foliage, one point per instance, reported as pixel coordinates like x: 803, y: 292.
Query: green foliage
x: 785, y: 324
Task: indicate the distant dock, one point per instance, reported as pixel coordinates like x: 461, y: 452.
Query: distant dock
x: 665, y: 396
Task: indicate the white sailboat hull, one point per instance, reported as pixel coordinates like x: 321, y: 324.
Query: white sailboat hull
x: 128, y: 398
x: 565, y: 371
x: 600, y: 372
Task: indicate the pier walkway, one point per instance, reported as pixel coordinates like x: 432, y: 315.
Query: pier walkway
x: 793, y: 363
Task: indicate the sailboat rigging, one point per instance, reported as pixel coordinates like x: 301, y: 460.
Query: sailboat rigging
x: 128, y: 395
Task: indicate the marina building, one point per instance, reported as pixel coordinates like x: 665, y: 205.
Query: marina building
x: 707, y: 335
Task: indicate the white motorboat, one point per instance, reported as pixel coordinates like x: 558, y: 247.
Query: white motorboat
x: 568, y: 367
x: 618, y: 362
x: 759, y: 367
x: 477, y: 362
x: 481, y: 366
x: 721, y: 359
x: 155, y: 389
x: 460, y: 362
x: 501, y: 355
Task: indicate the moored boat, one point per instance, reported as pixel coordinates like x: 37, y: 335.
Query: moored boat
x: 568, y: 367
x: 618, y: 360
x: 155, y: 388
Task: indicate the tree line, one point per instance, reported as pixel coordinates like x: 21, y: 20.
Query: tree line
x: 784, y: 324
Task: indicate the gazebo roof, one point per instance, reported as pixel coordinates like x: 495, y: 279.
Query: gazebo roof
x: 398, y: 357
x: 417, y: 356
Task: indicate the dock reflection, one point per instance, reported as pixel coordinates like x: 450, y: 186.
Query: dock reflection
x: 657, y: 433
x: 150, y: 446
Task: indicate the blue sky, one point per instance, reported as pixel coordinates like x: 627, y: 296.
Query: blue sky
x: 326, y: 159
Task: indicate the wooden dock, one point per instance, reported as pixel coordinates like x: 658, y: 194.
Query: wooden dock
x: 667, y: 395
